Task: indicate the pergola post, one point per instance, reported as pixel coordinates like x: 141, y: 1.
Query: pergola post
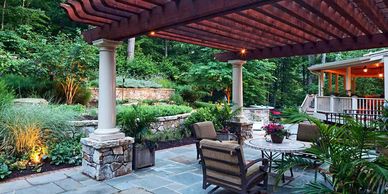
x: 107, y: 153
x: 107, y: 92
x: 348, y: 81
x: 353, y: 85
x: 240, y: 124
x: 237, y: 85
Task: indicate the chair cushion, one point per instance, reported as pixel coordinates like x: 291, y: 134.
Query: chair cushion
x: 307, y: 132
x: 205, y: 130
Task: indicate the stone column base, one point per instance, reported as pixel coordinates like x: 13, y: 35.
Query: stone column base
x: 104, y: 160
x: 243, y: 130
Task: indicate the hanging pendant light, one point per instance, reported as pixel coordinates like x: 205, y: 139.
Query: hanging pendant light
x: 380, y: 73
x: 365, y: 69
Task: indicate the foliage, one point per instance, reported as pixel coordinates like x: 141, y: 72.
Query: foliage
x: 24, y: 127
x: 67, y: 151
x: 6, y: 96
x: 345, y: 149
x: 135, y: 122
x: 168, y: 135
x: 159, y: 110
x: 123, y: 82
x: 219, y: 114
x: 199, y: 104
x: 4, y: 171
x: 28, y: 86
x: 176, y: 99
x: 275, y: 129
x: 189, y: 94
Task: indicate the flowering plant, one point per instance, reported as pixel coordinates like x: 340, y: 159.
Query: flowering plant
x: 275, y: 129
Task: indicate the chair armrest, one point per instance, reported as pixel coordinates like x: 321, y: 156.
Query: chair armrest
x: 263, y: 160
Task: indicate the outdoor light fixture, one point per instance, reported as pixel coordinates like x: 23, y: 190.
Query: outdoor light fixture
x: 365, y: 69
x: 243, y: 51
x: 152, y: 33
x: 380, y: 73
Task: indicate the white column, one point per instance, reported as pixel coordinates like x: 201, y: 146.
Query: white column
x: 348, y: 81
x: 237, y: 92
x: 385, y: 62
x: 321, y: 83
x: 107, y: 92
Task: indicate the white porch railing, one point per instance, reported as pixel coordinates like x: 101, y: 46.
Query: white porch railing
x: 335, y: 104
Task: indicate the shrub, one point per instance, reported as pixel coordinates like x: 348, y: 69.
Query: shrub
x: 24, y: 127
x: 177, y: 99
x: 199, y: 104
x: 189, y: 94
x: 159, y: 110
x: 68, y: 151
x: 219, y: 114
x: 4, y: 171
x: 136, y: 83
x: 29, y: 86
x: 6, y: 95
x: 135, y: 122
x: 201, y: 115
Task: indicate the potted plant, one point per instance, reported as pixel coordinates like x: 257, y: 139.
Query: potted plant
x: 135, y: 122
x: 276, y: 131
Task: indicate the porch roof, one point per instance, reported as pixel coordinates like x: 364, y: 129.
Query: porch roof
x: 373, y: 62
x: 246, y: 29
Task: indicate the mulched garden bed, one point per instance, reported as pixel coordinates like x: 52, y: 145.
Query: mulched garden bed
x: 175, y: 143
x: 30, y: 170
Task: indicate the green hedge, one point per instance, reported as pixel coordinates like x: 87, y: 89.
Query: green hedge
x: 159, y: 110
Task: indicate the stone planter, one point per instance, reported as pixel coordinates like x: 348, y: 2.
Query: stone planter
x: 143, y: 157
x: 226, y: 136
x: 276, y: 138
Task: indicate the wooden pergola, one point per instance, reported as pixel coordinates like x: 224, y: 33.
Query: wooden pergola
x: 245, y: 29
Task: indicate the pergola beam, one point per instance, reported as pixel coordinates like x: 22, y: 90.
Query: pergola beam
x: 346, y: 44
x: 374, y: 13
x: 170, y: 15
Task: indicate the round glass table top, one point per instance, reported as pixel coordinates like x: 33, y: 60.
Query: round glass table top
x: 288, y: 145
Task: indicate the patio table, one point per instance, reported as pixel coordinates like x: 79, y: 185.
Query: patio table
x: 271, y: 150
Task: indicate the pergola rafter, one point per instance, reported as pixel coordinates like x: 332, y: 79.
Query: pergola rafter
x: 262, y: 28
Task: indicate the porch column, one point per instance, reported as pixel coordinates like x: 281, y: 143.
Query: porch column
x: 336, y: 83
x: 385, y: 62
x: 348, y: 81
x: 330, y: 83
x: 107, y: 147
x: 107, y: 92
x: 321, y: 83
x: 237, y: 92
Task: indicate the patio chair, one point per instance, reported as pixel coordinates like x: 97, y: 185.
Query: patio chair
x: 223, y: 165
x: 205, y: 130
x: 307, y: 132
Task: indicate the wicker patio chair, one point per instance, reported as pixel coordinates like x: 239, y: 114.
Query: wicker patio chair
x: 205, y: 130
x: 223, y: 165
x: 307, y: 132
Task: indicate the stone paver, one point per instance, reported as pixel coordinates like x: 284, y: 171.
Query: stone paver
x: 13, y: 185
x: 68, y: 184
x: 176, y: 172
x: 47, y: 178
x: 39, y: 189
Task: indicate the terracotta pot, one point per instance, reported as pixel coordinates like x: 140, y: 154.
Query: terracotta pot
x: 276, y: 138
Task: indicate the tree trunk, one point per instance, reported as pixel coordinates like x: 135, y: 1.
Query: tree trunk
x: 3, y: 14
x: 131, y: 49
x: 311, y: 59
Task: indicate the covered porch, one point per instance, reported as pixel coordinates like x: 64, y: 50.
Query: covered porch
x: 337, y: 87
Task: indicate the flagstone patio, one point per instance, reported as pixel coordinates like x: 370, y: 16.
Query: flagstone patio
x: 176, y: 171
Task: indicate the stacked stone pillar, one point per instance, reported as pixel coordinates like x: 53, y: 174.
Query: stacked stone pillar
x: 107, y: 153
x: 239, y: 124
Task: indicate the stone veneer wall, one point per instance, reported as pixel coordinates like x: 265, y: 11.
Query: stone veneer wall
x: 257, y: 115
x: 139, y: 93
x: 169, y: 122
x: 108, y: 159
x: 162, y: 123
